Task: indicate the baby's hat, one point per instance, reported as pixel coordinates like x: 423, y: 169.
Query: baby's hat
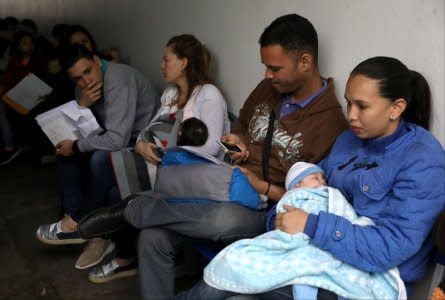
x: 298, y: 171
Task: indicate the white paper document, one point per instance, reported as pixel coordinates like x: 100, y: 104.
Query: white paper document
x: 28, y: 92
x: 68, y: 121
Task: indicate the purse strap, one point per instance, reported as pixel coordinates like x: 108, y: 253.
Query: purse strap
x: 268, y: 146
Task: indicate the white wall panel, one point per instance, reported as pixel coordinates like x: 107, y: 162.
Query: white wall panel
x: 349, y: 31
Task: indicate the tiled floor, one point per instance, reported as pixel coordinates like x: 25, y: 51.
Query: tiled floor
x: 30, y: 269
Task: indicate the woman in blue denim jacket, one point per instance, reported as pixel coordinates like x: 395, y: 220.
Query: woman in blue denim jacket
x: 389, y: 166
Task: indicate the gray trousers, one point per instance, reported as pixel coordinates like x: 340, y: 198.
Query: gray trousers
x: 165, y: 227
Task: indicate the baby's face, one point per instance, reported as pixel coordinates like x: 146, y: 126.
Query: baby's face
x: 314, y: 180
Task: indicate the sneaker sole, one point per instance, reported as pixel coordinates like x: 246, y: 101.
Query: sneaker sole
x: 122, y: 274
x: 107, y: 251
x: 17, y: 153
x: 60, y: 242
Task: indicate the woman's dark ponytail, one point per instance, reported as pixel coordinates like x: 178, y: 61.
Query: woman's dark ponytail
x: 419, y: 108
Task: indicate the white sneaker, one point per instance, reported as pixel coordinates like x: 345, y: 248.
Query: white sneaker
x: 93, y: 253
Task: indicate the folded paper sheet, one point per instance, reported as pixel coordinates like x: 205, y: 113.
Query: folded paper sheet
x: 68, y: 121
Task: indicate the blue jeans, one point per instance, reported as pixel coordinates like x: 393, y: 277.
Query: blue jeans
x: 86, y: 182
x: 205, y: 292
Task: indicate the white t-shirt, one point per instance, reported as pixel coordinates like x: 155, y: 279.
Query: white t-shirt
x: 207, y: 104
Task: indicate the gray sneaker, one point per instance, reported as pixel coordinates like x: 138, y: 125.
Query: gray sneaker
x: 50, y: 235
x: 111, y: 271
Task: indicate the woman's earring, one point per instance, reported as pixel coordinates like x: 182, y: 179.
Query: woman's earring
x: 392, y: 118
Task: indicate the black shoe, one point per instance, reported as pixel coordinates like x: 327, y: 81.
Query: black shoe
x: 103, y: 221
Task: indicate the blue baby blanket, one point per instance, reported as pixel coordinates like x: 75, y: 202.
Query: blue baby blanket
x: 276, y: 259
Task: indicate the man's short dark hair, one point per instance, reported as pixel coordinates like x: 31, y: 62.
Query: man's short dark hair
x: 73, y: 53
x: 293, y: 33
x: 193, y: 132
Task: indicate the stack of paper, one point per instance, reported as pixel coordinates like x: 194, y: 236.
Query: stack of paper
x: 26, y: 94
x: 68, y: 121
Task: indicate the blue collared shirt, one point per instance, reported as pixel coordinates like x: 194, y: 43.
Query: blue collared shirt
x: 287, y: 106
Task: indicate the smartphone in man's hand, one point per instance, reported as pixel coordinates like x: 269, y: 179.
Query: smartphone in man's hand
x: 229, y: 148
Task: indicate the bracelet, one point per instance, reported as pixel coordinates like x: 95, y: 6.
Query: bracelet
x: 267, y: 189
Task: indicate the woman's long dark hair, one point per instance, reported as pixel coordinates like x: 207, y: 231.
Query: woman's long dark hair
x: 397, y: 81
x: 198, y: 57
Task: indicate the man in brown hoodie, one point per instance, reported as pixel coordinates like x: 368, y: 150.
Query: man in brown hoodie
x: 307, y: 117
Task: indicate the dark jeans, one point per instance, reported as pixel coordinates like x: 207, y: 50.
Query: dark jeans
x: 205, y: 292
x: 86, y: 182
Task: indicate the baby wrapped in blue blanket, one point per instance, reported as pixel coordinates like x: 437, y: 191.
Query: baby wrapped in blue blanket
x: 276, y: 258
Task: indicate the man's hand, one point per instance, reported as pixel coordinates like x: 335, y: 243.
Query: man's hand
x: 236, y: 140
x: 146, y: 150
x: 65, y: 148
x: 90, y: 93
x: 292, y: 221
x: 258, y: 184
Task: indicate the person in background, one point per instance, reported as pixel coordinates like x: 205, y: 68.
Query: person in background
x: 62, y: 90
x: 25, y: 129
x: 12, y: 23
x: 77, y: 34
x: 42, y: 46
x: 57, y: 40
x: 28, y: 25
x: 23, y: 60
x: 6, y: 35
x: 112, y: 54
